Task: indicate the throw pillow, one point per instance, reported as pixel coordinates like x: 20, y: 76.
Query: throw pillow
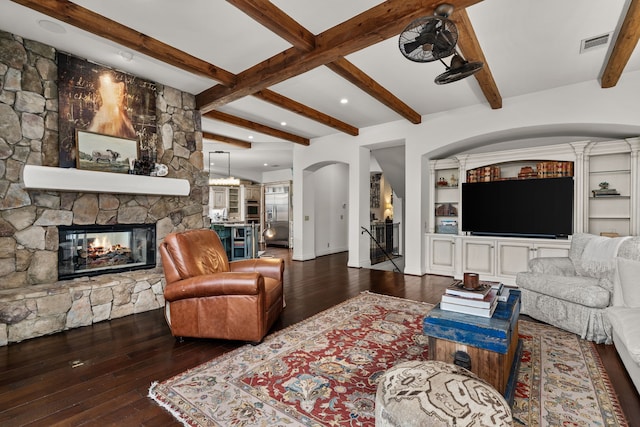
x: 598, y: 259
x: 626, y: 291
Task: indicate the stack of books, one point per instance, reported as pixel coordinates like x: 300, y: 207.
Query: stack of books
x: 478, y: 302
x: 605, y: 192
x: 484, y: 174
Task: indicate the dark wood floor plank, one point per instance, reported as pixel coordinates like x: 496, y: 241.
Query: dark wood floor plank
x: 122, y: 357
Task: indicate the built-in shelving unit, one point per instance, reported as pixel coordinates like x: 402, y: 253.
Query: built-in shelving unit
x: 85, y: 181
x: 446, y: 206
x: 452, y: 252
x: 610, y: 213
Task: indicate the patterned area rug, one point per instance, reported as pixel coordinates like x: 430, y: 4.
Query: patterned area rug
x: 323, y: 372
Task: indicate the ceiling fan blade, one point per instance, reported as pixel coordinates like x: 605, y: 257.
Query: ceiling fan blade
x: 427, y: 36
x: 422, y: 40
x: 445, y: 44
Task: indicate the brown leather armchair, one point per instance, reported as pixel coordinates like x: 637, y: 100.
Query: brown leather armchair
x: 209, y: 297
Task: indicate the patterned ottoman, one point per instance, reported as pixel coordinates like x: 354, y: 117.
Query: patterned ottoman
x: 434, y: 393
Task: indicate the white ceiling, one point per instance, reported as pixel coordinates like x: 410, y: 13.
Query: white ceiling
x: 529, y: 45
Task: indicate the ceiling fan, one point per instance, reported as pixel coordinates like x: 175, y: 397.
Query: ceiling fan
x: 459, y: 69
x: 432, y: 38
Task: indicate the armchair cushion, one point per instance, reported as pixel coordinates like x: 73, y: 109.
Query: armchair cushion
x: 215, y: 285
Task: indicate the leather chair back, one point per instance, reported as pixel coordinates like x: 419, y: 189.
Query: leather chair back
x: 193, y: 253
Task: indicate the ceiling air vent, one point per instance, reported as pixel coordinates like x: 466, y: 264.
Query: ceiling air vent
x: 594, y: 42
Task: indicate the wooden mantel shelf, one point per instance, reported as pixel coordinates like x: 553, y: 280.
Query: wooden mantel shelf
x: 84, y: 181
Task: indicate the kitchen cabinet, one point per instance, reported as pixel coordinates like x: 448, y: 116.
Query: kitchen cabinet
x: 218, y: 197
x: 240, y: 241
x: 252, y: 192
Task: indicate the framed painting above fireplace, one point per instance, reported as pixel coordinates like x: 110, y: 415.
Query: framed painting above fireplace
x: 105, y: 153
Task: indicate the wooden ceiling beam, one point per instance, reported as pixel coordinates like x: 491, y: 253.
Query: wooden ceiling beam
x: 267, y: 14
x: 372, y: 26
x: 258, y: 127
x: 625, y: 43
x: 226, y: 139
x: 353, y: 74
x: 472, y: 52
x: 85, y: 19
x: 308, y: 112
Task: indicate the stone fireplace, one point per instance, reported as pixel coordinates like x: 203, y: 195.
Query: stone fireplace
x: 34, y: 301
x: 91, y: 250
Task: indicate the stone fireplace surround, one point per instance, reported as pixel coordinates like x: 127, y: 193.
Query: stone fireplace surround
x: 32, y: 300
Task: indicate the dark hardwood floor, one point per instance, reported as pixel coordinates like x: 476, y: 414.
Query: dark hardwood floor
x: 100, y: 374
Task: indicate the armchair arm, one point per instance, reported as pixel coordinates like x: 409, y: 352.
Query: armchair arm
x: 268, y: 267
x: 557, y: 266
x: 216, y: 284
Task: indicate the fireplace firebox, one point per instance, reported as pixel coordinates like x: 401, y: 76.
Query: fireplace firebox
x: 90, y: 250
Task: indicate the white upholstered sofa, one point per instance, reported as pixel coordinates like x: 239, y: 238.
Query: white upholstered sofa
x: 624, y: 316
x: 573, y: 292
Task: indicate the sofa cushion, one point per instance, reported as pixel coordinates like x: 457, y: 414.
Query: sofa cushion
x: 579, y: 290
x: 626, y: 323
x: 626, y: 286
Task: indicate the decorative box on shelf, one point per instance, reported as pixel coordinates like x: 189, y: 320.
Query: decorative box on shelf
x: 447, y: 226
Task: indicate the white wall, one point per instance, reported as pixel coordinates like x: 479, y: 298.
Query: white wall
x: 580, y: 110
x: 331, y: 215
x: 277, y: 176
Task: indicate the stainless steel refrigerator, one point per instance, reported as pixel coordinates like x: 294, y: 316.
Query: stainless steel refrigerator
x: 277, y: 209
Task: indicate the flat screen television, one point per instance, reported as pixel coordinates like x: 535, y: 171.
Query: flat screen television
x: 525, y: 207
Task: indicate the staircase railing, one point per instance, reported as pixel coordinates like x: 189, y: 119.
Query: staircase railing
x: 384, y: 251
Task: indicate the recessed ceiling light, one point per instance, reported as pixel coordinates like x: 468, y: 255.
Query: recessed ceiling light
x: 266, y: 164
x: 283, y: 123
x: 344, y: 101
x: 250, y: 136
x: 54, y: 27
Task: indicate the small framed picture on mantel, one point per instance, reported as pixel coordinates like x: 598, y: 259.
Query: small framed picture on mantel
x: 105, y: 153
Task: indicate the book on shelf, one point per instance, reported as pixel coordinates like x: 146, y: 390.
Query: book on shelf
x: 474, y: 311
x: 486, y: 302
x: 485, y: 286
x: 608, y: 192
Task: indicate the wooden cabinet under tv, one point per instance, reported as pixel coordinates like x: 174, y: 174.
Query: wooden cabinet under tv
x: 499, y: 257
x: 493, y: 258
